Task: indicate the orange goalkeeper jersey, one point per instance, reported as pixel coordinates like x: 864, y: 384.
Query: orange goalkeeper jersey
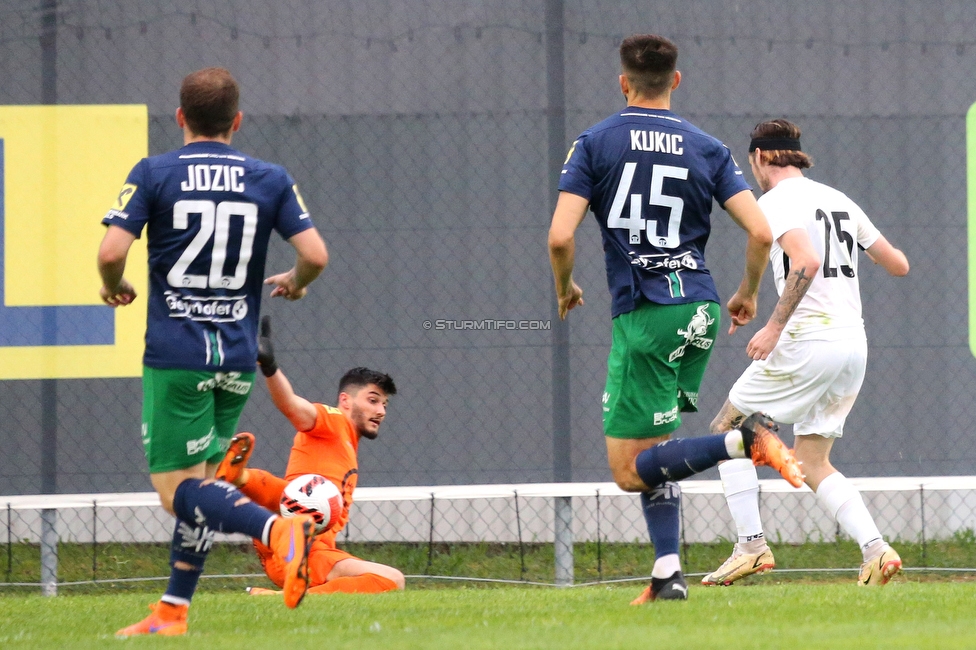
x: 328, y: 448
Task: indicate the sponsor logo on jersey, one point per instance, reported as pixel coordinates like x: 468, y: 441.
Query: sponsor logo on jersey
x: 666, y: 417
x: 695, y: 334
x: 210, y: 309
x: 664, y: 261
x: 194, y: 447
x: 229, y: 381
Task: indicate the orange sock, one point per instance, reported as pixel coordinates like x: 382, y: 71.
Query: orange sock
x: 368, y: 583
x: 264, y: 488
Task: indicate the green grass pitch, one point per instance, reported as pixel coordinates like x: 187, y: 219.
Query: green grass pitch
x: 766, y: 613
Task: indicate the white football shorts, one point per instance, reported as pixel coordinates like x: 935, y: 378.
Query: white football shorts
x: 809, y: 384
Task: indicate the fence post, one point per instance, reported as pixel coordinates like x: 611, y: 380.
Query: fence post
x: 49, y: 552
x: 599, y: 544
x: 561, y: 420
x: 49, y: 387
x: 518, y: 527
x: 562, y: 445
x: 430, y: 540
x: 564, y: 540
x: 10, y: 544
x: 921, y: 508
x: 94, y: 540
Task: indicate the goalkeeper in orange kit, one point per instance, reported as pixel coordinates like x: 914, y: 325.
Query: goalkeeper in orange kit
x: 326, y: 442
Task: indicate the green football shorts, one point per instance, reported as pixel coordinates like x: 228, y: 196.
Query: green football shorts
x: 656, y: 364
x: 189, y: 416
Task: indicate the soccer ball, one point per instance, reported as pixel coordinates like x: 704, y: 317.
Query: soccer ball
x: 311, y: 494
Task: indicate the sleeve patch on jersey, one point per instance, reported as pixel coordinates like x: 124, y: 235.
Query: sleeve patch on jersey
x: 124, y: 195
x: 301, y: 201
x: 571, y: 150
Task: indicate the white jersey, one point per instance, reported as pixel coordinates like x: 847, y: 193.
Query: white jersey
x: 831, y: 308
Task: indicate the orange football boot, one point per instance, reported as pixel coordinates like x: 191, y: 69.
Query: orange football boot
x: 291, y: 540
x: 166, y: 620
x: 765, y: 448
x: 231, y: 468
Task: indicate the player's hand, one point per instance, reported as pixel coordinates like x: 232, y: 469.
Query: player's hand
x: 763, y: 342
x: 119, y: 296
x: 285, y: 286
x: 742, y: 309
x: 572, y: 299
x: 266, y: 358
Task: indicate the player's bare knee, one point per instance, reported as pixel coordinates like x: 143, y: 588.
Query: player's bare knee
x: 812, y: 462
x: 166, y: 500
x: 185, y: 566
x: 628, y: 481
x: 399, y: 579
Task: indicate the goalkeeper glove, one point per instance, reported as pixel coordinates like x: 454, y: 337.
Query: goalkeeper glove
x: 266, y: 357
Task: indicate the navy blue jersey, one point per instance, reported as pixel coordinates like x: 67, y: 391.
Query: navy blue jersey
x: 208, y: 211
x: 650, y: 177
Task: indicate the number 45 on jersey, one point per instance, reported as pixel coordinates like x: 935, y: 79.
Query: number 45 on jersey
x: 635, y: 224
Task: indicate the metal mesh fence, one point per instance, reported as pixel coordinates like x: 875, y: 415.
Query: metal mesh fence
x: 501, y: 533
x: 421, y: 136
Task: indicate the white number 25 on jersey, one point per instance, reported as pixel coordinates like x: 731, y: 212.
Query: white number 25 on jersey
x: 214, y: 221
x: 635, y: 223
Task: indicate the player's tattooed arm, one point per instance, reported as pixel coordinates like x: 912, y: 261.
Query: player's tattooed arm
x: 804, y: 266
x: 797, y: 283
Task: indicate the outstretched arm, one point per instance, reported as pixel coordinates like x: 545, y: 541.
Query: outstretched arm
x: 299, y: 411
x: 746, y: 212
x: 804, y: 266
x: 569, y: 213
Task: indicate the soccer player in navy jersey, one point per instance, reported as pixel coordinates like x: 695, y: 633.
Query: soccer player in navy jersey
x: 208, y: 211
x: 650, y: 177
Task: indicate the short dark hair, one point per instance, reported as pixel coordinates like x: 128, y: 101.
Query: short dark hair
x: 649, y: 61
x: 781, y: 128
x: 209, y: 99
x: 361, y: 377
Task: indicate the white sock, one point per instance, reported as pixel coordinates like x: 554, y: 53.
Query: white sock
x: 666, y: 565
x: 266, y: 534
x: 174, y: 600
x: 874, y: 549
x: 844, y: 503
x: 741, y: 484
x: 734, y: 444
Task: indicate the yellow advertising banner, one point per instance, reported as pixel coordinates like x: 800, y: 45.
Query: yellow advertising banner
x: 61, y: 170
